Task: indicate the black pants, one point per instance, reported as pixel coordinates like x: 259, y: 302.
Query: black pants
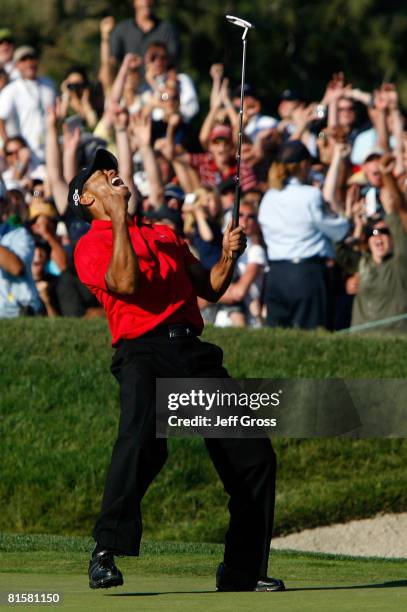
x: 296, y: 294
x: 247, y: 467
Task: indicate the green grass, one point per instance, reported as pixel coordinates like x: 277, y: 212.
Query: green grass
x: 59, y: 411
x: 181, y: 577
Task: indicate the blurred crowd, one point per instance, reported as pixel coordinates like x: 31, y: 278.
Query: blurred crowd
x: 323, y: 182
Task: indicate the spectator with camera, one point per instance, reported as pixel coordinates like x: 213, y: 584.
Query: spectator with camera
x: 158, y: 72
x: 76, y: 105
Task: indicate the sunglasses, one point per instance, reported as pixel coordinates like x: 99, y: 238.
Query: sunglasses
x: 157, y: 56
x: 346, y: 109
x: 7, y: 41
x: 219, y: 140
x: 9, y: 153
x: 250, y: 216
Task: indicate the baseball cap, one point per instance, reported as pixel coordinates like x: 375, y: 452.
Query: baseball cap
x: 293, y: 151
x: 374, y: 153
x: 6, y: 34
x: 101, y: 160
x: 248, y: 90
x: 24, y: 51
x: 41, y: 208
x: 173, y: 191
x: 166, y: 214
x: 220, y: 131
x: 291, y: 95
x: 13, y: 185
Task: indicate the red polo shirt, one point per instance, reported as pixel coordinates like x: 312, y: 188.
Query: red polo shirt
x: 165, y: 293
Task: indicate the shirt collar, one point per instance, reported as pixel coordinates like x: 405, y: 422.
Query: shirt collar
x: 101, y: 224
x: 293, y: 180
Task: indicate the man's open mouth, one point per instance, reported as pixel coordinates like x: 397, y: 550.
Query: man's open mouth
x: 117, y: 181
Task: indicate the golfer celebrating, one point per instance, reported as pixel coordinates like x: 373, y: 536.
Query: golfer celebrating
x: 148, y: 282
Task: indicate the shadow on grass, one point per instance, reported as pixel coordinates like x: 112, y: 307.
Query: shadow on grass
x: 383, y: 585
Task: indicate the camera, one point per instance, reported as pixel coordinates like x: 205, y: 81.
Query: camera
x: 76, y: 86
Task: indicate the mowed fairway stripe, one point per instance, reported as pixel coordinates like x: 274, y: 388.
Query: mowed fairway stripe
x: 190, y: 593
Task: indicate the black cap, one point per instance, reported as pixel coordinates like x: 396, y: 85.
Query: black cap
x: 102, y: 160
x: 164, y: 213
x: 248, y: 91
x: 173, y: 191
x: 227, y: 185
x: 291, y: 95
x: 293, y: 151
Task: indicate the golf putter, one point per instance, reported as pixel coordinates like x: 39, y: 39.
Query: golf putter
x: 247, y: 26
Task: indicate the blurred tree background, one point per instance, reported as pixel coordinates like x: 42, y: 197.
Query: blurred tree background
x: 296, y: 43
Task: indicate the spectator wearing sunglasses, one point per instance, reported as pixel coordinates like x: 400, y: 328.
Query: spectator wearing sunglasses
x: 20, y: 163
x: 158, y: 71
x: 379, y: 259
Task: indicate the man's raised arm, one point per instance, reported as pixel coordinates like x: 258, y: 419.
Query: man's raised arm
x: 122, y: 273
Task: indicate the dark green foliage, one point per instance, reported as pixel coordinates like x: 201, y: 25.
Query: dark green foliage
x: 59, y: 411
x: 296, y: 43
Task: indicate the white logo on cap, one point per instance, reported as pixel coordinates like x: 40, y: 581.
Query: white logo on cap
x: 76, y: 197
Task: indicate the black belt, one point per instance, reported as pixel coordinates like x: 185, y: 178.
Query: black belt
x: 171, y: 331
x: 298, y: 260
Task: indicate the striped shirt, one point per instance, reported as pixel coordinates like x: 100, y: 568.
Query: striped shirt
x: 210, y: 174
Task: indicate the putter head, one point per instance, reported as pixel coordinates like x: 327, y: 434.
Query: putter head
x: 242, y: 23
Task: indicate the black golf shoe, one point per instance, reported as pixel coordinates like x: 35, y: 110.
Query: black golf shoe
x: 228, y: 579
x: 103, y: 572
x: 269, y: 584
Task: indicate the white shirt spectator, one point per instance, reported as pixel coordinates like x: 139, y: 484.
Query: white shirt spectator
x: 188, y: 98
x: 18, y: 292
x: 24, y: 102
x: 254, y: 253
x: 295, y: 225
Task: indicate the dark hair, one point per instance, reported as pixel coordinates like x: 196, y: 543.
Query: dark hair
x: 157, y: 44
x: 17, y: 138
x: 79, y: 70
x: 40, y: 243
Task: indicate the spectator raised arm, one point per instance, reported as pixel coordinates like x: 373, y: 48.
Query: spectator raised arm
x: 221, y: 106
x: 53, y: 162
x: 124, y: 156
x: 107, y: 62
x: 334, y: 186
